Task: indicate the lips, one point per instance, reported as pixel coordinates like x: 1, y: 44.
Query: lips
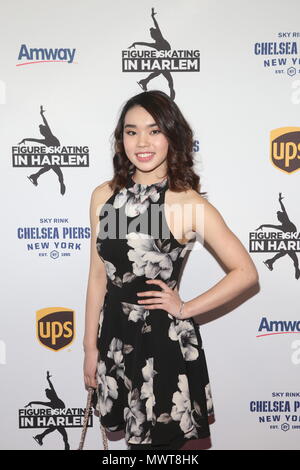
x: 144, y: 156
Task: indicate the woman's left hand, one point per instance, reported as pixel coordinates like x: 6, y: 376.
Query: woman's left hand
x: 166, y: 299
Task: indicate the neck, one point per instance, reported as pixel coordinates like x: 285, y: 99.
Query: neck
x: 147, y: 179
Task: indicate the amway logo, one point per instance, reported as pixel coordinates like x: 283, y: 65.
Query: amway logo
x: 278, y: 327
x: 45, y: 55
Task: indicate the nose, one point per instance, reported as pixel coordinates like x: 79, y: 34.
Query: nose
x: 143, y: 140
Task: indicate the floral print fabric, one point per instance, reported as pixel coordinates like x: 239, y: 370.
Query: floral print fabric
x: 152, y: 374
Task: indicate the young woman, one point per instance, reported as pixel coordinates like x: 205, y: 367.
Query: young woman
x: 143, y: 349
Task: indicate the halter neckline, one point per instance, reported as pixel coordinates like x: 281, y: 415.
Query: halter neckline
x: 158, y: 185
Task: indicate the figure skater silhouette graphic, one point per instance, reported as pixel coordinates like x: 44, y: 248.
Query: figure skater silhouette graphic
x: 286, y: 226
x: 49, y: 140
x: 54, y: 403
x: 160, y: 44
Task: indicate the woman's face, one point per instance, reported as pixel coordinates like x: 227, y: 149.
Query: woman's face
x: 145, y: 145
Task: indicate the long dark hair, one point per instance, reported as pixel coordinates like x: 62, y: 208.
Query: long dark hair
x: 179, y: 134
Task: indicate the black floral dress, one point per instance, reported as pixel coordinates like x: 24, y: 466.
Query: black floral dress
x: 152, y: 375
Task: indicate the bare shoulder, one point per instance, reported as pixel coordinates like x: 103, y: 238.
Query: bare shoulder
x: 189, y: 196
x: 210, y: 212
x: 212, y: 227
x: 199, y: 212
x: 101, y: 191
x: 184, y: 212
x: 208, y: 221
x: 193, y: 197
x: 101, y: 194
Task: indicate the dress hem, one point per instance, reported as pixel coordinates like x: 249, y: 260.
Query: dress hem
x: 155, y: 446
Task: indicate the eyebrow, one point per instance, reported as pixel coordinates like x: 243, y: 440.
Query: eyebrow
x: 133, y: 125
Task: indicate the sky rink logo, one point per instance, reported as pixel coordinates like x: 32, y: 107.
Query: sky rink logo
x: 29, y: 56
x: 279, y: 53
x: 53, y: 237
x: 280, y: 412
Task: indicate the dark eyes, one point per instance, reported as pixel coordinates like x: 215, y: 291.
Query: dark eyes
x: 156, y: 131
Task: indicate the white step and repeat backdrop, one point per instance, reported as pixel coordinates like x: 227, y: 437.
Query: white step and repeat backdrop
x: 66, y: 70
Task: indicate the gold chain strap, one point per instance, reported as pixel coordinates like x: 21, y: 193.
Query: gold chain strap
x: 85, y: 421
x: 104, y: 436
x: 87, y: 411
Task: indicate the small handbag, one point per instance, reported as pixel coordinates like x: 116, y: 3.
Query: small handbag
x: 93, y: 396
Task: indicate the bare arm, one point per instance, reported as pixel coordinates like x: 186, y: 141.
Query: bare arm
x: 242, y: 271
x: 97, y: 280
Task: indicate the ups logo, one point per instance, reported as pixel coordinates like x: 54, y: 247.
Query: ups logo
x: 55, y: 327
x: 285, y: 148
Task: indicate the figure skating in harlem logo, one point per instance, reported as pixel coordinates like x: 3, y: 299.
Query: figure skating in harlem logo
x: 49, y: 140
x: 161, y: 60
x: 54, y: 403
x: 160, y: 44
x: 55, y: 416
x: 284, y: 241
x: 49, y: 154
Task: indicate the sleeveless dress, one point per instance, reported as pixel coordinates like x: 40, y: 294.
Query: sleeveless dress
x: 152, y: 375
